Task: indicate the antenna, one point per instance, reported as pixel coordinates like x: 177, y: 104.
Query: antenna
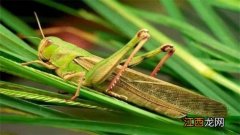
x: 33, y: 37
x: 39, y: 25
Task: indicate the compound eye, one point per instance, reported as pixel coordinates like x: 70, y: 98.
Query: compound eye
x: 48, y: 42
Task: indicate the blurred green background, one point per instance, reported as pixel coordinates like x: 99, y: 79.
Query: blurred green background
x: 205, y: 34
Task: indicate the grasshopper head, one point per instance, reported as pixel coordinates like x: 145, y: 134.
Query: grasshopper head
x: 47, y: 45
x: 46, y: 48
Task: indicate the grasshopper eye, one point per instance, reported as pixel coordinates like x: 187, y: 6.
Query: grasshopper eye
x: 48, y: 41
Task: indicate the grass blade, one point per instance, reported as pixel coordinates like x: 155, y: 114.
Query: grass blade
x: 214, y: 22
x: 18, y: 25
x: 226, y: 53
x: 227, y: 4
x: 114, y: 128
x: 12, y: 43
x: 175, y: 13
x: 223, y: 66
x: 29, y: 93
x: 30, y: 107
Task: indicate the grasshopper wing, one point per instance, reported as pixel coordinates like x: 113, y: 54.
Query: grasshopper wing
x: 171, y: 97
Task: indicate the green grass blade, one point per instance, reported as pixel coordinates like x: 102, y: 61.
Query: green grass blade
x: 223, y: 66
x: 23, y: 88
x: 18, y: 25
x: 172, y: 9
x: 12, y: 56
x: 175, y: 13
x: 214, y: 22
x: 30, y: 107
x: 231, y: 22
x: 225, y: 52
x: 227, y: 4
x: 233, y: 124
x: 114, y: 128
x: 30, y: 93
x: 12, y: 43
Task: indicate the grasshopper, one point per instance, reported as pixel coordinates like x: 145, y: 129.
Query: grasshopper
x: 109, y: 76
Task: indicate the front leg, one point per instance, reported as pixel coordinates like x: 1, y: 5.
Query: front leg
x: 47, y: 65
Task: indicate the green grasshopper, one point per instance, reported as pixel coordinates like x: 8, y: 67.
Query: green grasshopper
x: 109, y: 76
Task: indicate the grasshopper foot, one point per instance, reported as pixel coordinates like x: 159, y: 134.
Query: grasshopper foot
x: 73, y: 98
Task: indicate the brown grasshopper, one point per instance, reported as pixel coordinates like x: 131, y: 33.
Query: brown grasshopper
x: 108, y: 76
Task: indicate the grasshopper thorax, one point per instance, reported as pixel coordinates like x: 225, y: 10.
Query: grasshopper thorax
x: 50, y: 46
